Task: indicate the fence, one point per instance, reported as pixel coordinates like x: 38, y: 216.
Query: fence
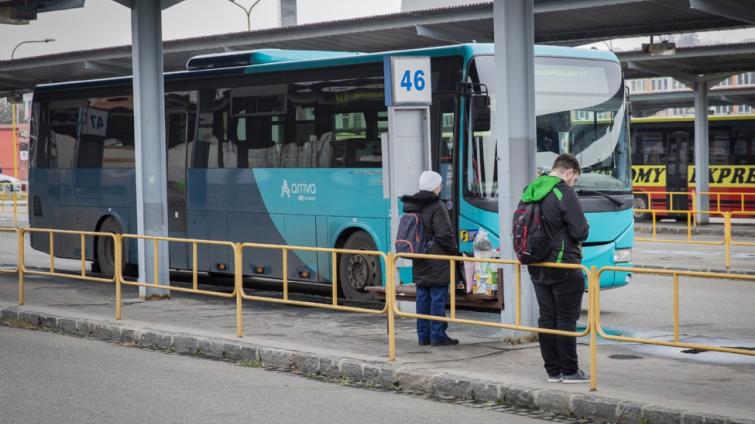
x: 718, y: 201
x: 727, y: 240
x: 389, y: 262
x: 676, y: 339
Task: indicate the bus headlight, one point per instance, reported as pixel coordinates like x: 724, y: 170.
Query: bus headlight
x: 622, y: 255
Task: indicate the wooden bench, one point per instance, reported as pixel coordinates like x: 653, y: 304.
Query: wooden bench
x: 408, y: 292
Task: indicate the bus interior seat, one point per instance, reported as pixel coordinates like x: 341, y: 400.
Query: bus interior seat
x: 290, y: 156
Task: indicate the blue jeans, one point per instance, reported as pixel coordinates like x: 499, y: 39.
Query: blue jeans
x: 432, y: 301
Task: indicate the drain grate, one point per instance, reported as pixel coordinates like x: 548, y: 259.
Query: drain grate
x: 625, y: 357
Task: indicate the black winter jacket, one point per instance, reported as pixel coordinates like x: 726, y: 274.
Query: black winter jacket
x: 438, y: 228
x: 565, y: 224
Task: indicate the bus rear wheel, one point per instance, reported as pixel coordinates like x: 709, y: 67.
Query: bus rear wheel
x: 104, y: 251
x: 357, y: 272
x: 641, y: 202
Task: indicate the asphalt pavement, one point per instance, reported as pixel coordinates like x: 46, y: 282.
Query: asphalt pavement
x: 48, y: 378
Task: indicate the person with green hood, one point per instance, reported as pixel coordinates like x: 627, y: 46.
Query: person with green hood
x: 559, y: 291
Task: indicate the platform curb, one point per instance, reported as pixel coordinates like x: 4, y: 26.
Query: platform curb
x: 371, y: 373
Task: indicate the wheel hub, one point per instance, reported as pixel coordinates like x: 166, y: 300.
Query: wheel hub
x: 359, y: 271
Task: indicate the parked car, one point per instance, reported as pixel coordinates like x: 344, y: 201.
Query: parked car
x: 9, y: 183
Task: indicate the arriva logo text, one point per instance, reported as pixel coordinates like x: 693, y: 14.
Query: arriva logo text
x: 302, y: 191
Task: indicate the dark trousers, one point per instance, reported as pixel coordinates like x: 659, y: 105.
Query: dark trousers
x: 560, y: 302
x: 432, y: 301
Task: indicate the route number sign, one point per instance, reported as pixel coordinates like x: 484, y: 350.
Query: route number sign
x: 407, y: 81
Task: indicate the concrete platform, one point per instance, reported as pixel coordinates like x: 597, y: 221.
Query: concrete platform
x: 636, y: 383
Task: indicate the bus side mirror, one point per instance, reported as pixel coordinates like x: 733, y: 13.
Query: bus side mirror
x: 629, y: 108
x: 480, y: 108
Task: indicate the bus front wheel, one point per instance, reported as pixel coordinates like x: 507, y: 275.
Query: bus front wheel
x: 356, y: 272
x: 104, y: 252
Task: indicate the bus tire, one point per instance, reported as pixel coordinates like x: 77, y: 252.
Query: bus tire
x: 104, y: 248
x: 355, y: 272
x: 641, y: 202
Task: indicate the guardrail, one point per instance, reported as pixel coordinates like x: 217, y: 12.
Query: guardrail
x: 724, y: 201
x: 82, y: 235
x: 727, y: 240
x: 390, y: 310
x: 16, y: 197
x: 676, y: 338
x: 517, y: 326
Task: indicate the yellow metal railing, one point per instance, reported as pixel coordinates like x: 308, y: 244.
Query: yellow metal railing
x: 517, y: 326
x: 727, y: 240
x: 14, y: 268
x: 285, y: 250
x: 674, y: 274
x: 155, y: 241
x: 390, y: 310
x: 741, y: 195
x: 668, y: 197
x: 9, y: 194
x: 51, y: 234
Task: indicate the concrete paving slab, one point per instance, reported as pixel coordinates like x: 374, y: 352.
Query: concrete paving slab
x: 631, y: 378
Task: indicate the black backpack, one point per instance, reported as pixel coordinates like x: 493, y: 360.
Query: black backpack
x: 531, y: 243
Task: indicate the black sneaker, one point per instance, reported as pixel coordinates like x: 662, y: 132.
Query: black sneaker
x: 555, y: 378
x: 424, y: 342
x: 446, y: 342
x: 576, y: 378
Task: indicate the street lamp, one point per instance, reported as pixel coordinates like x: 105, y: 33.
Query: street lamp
x: 247, y: 11
x: 13, y: 107
x: 46, y: 40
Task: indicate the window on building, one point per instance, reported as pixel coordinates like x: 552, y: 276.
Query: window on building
x: 747, y: 78
x: 637, y: 86
x: 725, y: 83
x: 722, y: 110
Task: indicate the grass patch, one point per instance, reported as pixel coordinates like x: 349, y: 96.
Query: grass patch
x: 17, y: 323
x: 249, y: 363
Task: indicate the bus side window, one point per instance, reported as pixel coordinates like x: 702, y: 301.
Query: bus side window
x: 63, y: 132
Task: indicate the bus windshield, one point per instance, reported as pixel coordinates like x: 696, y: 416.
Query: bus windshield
x: 581, y: 109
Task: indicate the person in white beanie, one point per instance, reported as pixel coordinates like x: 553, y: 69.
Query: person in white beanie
x: 431, y: 276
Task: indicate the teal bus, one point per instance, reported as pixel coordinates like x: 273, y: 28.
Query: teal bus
x: 283, y: 147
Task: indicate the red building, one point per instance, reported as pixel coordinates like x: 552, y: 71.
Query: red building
x: 6, y: 150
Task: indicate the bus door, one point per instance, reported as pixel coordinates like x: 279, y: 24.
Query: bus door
x: 444, y: 147
x: 178, y: 128
x: 677, y: 170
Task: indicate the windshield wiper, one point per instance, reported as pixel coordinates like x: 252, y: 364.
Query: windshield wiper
x: 613, y: 200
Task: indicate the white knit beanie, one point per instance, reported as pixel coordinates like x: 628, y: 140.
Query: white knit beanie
x: 429, y: 180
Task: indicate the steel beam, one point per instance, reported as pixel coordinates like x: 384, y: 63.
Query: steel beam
x: 149, y: 129
x: 451, y: 35
x: 514, y: 126
x: 107, y: 68
x: 736, y: 10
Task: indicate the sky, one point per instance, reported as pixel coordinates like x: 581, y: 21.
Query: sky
x: 105, y: 23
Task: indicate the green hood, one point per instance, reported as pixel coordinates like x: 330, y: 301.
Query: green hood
x: 538, y: 189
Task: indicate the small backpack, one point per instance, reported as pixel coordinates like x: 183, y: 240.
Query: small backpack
x: 411, y: 236
x: 531, y: 243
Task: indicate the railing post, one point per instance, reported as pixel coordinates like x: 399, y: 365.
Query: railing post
x: 390, y: 290
x: 118, y: 262
x: 238, y: 280
x: 727, y: 238
x: 592, y: 311
x: 452, y: 292
x: 676, y: 307
x: 21, y: 242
